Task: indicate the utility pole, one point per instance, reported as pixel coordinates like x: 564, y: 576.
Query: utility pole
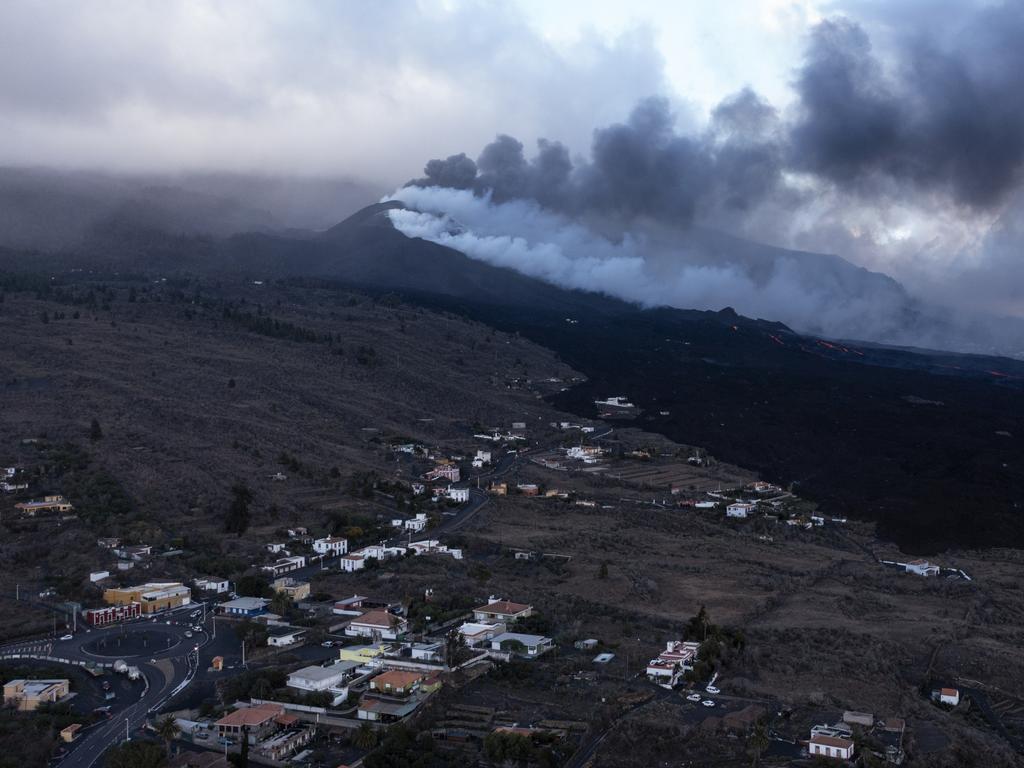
x: 127, y: 735
x: 243, y: 654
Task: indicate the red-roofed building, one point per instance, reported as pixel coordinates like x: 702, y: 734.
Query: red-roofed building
x: 502, y: 610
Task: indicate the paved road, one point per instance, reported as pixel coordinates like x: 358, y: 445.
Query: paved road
x: 167, y: 658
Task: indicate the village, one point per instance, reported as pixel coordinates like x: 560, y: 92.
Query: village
x: 299, y: 672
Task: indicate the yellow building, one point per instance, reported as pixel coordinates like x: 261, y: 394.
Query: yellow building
x: 27, y: 695
x: 361, y: 654
x: 153, y: 597
x: 296, y: 590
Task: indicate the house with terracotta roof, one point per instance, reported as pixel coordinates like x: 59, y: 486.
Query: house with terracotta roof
x: 261, y: 720
x: 502, y: 610
x: 378, y: 625
x: 672, y: 663
x: 835, y: 747
x: 950, y: 696
x: 396, y: 682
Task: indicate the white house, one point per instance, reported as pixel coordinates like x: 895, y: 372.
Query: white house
x: 379, y: 625
x: 353, y: 562
x: 434, y: 547
x: 922, y: 568
x: 481, y: 458
x: 950, y: 696
x: 275, y: 547
x: 830, y: 746
x: 418, y: 523
x: 458, y: 495
x: 212, y: 584
x: 331, y: 545
x: 380, y: 551
x: 520, y: 644
x: 333, y: 679
x: 425, y: 651
x: 284, y: 635
x: 674, y: 661
x: 475, y: 633
x: 285, y: 565
x: 740, y: 509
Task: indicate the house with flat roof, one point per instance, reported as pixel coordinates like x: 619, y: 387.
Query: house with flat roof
x: 672, y: 663
x: 364, y: 654
x: 386, y: 710
x: 921, y: 568
x: 244, y: 606
x: 285, y: 565
x: 333, y: 679
x: 741, y: 509
x: 502, y: 610
x: 27, y: 695
x: 521, y: 644
x: 52, y: 503
x: 152, y: 597
x: 214, y: 584
x: 475, y: 633
x: 295, y: 589
x: 279, y: 636
x: 330, y: 545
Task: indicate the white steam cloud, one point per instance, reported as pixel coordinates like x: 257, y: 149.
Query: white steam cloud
x: 641, y: 268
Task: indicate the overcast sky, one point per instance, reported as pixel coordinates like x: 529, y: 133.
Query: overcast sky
x: 373, y: 89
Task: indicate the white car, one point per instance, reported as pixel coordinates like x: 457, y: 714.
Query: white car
x: 67, y: 637
x: 693, y: 697
x: 712, y: 689
x: 708, y: 703
x: 188, y: 633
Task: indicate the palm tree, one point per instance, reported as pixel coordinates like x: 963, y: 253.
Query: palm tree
x: 365, y: 737
x: 262, y: 689
x: 758, y: 741
x: 168, y: 730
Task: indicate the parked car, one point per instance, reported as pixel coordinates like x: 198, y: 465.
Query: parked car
x: 327, y: 643
x: 693, y: 697
x: 225, y: 741
x: 201, y: 735
x: 67, y: 637
x: 712, y: 689
x: 188, y: 633
x: 708, y: 703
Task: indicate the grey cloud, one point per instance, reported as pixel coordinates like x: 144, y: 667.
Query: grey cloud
x: 950, y: 118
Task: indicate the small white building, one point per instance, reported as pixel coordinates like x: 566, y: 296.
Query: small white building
x: 950, y: 696
x: 280, y: 636
x: 830, y: 746
x: 434, y: 547
x: 331, y: 545
x: 285, y: 565
x: 921, y: 568
x: 99, y: 576
x: 418, y: 523
x: 474, y: 632
x: 520, y: 644
x: 426, y: 651
x: 741, y: 509
x: 458, y: 495
x: 353, y: 562
x: 212, y: 584
x: 275, y: 547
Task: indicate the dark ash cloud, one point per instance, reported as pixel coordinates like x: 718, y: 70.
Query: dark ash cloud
x: 950, y: 118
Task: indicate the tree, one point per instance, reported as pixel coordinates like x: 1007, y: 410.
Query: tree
x: 135, y: 754
x: 241, y: 759
x: 280, y: 603
x: 237, y: 519
x: 168, y: 730
x: 95, y: 430
x: 602, y: 572
x: 364, y: 737
x: 758, y: 741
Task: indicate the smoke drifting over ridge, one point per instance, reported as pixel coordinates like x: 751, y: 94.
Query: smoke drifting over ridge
x: 871, y: 150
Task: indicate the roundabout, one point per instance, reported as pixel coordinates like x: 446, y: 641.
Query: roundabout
x: 140, y: 642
